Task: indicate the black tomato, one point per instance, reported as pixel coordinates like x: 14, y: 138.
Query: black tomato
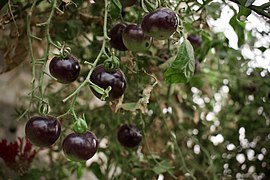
x: 42, y: 131
x: 135, y: 39
x: 115, y: 78
x: 195, y: 40
x: 160, y: 24
x: 115, y: 36
x: 127, y: 3
x: 129, y: 135
x: 80, y: 147
x: 65, y: 70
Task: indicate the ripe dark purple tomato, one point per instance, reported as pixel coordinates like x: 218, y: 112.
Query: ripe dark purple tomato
x: 127, y: 3
x: 114, y: 78
x: 42, y: 131
x: 135, y: 39
x: 160, y: 24
x: 195, y: 40
x: 65, y: 70
x: 115, y: 34
x: 80, y: 147
x: 129, y: 135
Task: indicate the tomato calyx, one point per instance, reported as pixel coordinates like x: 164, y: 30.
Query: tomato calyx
x: 111, y: 64
x: 44, y: 108
x: 65, y: 51
x: 80, y: 126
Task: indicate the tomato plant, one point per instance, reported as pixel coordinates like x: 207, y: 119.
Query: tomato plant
x: 148, y: 89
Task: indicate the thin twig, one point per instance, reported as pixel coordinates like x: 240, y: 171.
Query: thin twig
x: 257, y: 9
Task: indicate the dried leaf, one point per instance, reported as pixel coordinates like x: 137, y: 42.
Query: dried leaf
x: 13, y: 48
x: 141, y: 104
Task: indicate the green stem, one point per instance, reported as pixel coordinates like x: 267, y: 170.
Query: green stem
x: 76, y: 91
x: 47, y: 48
x: 102, y: 51
x: 72, y: 107
x: 33, y: 61
x: 257, y: 9
x: 203, y: 5
x: 265, y: 5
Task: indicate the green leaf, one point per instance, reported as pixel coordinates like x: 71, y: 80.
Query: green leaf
x: 149, y: 6
x: 182, y: 68
x: 97, y: 89
x: 144, y: 7
x: 115, y: 8
x: 242, y: 2
x: 162, y: 167
x: 130, y: 106
x: 238, y: 27
x: 95, y: 168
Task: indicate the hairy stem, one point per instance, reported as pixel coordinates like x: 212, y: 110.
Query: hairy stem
x: 46, y: 55
x: 33, y: 61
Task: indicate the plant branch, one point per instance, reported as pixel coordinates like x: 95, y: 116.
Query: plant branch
x: 265, y: 5
x: 33, y: 61
x: 102, y: 51
x: 47, y: 48
x: 257, y: 9
x: 203, y: 5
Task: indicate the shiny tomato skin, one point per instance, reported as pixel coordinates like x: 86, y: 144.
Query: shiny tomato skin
x: 160, y: 24
x: 65, y: 70
x: 80, y: 147
x: 135, y: 39
x: 115, y: 78
x: 43, y: 131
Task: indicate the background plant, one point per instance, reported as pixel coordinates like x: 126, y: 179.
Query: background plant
x: 212, y: 124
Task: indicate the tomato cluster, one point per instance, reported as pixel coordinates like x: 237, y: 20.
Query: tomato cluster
x: 44, y: 131
x: 159, y: 24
